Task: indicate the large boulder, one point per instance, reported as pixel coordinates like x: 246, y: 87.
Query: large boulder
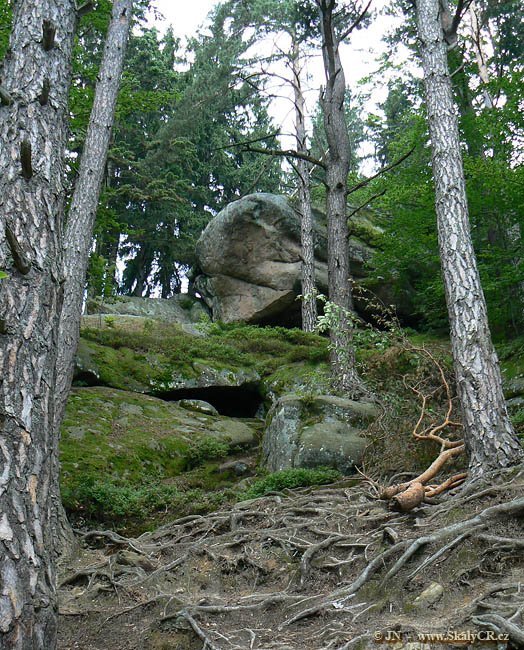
x: 315, y: 431
x: 249, y: 261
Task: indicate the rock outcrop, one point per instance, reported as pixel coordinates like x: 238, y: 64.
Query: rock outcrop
x: 154, y: 373
x: 181, y: 308
x: 314, y: 431
x: 249, y: 261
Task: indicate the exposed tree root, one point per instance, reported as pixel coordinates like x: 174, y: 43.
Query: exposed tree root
x: 198, y: 630
x: 314, y: 570
x: 501, y: 625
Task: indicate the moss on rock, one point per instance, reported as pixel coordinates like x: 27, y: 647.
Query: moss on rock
x: 164, y: 357
x: 125, y: 455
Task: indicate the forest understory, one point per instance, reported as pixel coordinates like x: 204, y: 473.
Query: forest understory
x: 328, y: 568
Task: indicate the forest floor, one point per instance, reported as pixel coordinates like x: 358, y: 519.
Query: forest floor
x: 328, y: 568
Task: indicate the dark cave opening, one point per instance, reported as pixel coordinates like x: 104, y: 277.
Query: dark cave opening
x: 86, y: 378
x: 232, y: 401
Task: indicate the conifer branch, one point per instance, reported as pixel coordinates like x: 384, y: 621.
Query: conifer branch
x: 287, y: 153
x: 366, y: 203
x: 368, y: 180
x: 356, y: 23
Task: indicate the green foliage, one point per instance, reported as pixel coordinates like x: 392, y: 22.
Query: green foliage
x: 135, y: 508
x: 225, y: 345
x: 332, y: 315
x: 289, y: 479
x: 207, y: 448
x: 5, y: 26
x: 148, y: 326
x: 408, y: 255
x: 3, y: 275
x: 179, y: 163
x: 128, y: 460
x: 100, y: 276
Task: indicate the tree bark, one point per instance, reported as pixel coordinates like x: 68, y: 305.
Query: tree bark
x: 33, y: 128
x: 345, y: 377
x: 309, y: 299
x: 79, y: 232
x: 82, y: 213
x: 491, y: 442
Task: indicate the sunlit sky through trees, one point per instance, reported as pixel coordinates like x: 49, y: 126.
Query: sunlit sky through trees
x: 360, y: 57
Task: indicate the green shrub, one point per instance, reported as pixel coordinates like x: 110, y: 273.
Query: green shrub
x: 148, y: 326
x: 291, y: 478
x: 103, y: 500
x: 207, y: 448
x: 312, y: 354
x: 186, y: 302
x: 136, y: 508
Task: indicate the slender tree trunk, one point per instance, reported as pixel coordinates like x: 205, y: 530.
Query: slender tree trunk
x: 108, y: 243
x: 143, y: 269
x: 36, y: 79
x: 345, y: 377
x: 481, y: 57
x: 309, y: 299
x: 82, y: 213
x: 79, y: 233
x: 491, y: 442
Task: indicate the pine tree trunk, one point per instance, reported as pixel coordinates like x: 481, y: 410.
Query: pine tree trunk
x: 36, y: 77
x: 491, y: 442
x: 309, y: 299
x: 82, y: 213
x: 345, y: 377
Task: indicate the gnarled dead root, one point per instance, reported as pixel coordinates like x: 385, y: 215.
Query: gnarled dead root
x: 408, y: 495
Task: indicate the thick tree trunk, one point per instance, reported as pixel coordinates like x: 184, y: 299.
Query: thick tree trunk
x: 309, y: 299
x: 345, y: 377
x: 36, y: 77
x: 491, y: 442
x: 82, y: 213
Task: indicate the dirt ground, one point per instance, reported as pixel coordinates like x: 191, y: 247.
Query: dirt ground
x: 329, y: 568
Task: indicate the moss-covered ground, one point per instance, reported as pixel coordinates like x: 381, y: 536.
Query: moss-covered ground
x: 126, y: 458
x: 160, y: 356
x: 130, y: 460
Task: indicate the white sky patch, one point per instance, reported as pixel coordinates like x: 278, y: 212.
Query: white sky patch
x: 359, y: 57
x: 184, y: 20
